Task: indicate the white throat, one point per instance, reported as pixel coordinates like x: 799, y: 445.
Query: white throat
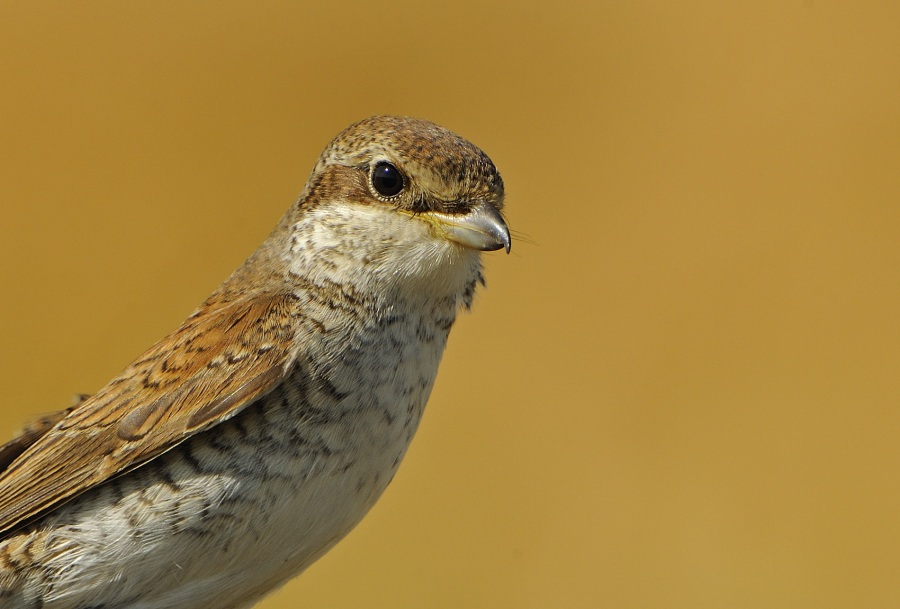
x: 378, y: 250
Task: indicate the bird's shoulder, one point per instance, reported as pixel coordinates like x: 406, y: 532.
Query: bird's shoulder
x: 234, y: 349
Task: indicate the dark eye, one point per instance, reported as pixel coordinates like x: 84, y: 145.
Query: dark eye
x: 387, y: 179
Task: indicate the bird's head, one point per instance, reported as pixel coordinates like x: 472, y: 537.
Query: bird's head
x: 399, y: 200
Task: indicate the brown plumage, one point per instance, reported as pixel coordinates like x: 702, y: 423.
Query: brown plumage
x: 226, y: 355
x: 242, y: 446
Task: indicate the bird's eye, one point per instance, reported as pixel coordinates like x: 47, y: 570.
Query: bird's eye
x: 387, y: 180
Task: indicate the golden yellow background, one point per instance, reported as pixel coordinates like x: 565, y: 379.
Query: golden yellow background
x: 680, y: 390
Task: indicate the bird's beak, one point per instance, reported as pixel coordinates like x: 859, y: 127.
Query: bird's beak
x: 483, y: 228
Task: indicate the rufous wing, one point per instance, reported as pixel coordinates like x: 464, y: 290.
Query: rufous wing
x: 223, y: 358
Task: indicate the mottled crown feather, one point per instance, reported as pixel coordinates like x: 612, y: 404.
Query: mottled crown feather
x: 443, y: 164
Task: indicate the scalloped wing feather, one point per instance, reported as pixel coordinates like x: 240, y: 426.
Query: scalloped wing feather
x: 223, y: 358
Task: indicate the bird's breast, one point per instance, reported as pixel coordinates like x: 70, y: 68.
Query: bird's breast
x: 334, y: 433
x: 248, y: 504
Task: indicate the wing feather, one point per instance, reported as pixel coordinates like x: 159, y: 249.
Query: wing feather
x: 222, y: 358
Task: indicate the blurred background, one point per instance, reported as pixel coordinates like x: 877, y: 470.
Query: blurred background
x: 679, y: 390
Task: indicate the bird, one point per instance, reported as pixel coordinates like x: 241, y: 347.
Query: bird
x: 244, y: 445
